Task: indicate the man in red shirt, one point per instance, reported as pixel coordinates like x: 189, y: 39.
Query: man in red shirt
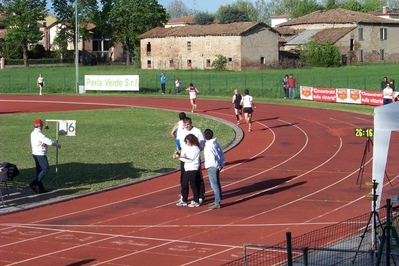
x: 291, y: 86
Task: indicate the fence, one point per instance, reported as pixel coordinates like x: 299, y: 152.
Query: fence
x: 261, y: 84
x: 344, y: 243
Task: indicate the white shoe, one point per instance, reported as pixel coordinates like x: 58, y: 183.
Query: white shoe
x: 200, y: 200
x: 181, y: 203
x: 193, y: 204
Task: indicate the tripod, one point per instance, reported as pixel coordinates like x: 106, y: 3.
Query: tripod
x: 374, y: 216
x: 369, y: 144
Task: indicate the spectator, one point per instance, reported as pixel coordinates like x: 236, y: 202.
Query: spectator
x: 164, y: 79
x: 285, y: 87
x: 387, y: 93
x: 384, y: 83
x: 291, y: 81
x: 214, y: 162
x: 177, y: 85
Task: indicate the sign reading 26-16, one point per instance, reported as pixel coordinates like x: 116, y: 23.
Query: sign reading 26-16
x: 364, y: 132
x: 67, y: 127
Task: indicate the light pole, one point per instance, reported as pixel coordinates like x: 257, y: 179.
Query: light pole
x: 76, y: 47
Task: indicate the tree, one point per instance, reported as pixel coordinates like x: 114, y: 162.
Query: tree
x: 65, y: 11
x: 305, y: 7
x: 353, y: 5
x: 320, y: 55
x: 370, y: 5
x: 20, y: 19
x: 331, y: 4
x: 130, y: 18
x: 219, y: 62
x: 177, y: 9
x: 248, y: 8
x: 203, y: 18
x: 232, y: 14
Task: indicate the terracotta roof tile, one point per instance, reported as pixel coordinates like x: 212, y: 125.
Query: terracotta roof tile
x: 182, y: 20
x: 232, y: 29
x: 332, y: 34
x: 338, y: 16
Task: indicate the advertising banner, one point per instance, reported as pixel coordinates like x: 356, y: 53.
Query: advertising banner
x: 348, y: 96
x: 112, y: 82
x: 324, y: 95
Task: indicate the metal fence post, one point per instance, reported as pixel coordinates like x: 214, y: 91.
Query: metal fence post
x: 289, y: 249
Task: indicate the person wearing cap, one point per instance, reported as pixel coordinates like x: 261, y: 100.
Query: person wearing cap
x: 39, y: 144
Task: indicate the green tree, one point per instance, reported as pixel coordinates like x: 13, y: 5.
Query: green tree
x: 65, y: 11
x: 220, y: 62
x: 20, y: 19
x: 331, y: 4
x: 232, y: 14
x: 305, y: 7
x: 320, y: 54
x: 248, y: 8
x: 203, y: 18
x: 371, y: 5
x: 353, y: 5
x: 130, y: 18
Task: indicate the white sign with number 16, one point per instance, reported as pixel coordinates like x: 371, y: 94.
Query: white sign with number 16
x: 67, y: 128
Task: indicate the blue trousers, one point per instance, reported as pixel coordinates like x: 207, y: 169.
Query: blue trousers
x: 214, y: 179
x: 42, y: 169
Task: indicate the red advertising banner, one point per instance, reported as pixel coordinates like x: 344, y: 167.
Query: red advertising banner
x: 324, y: 95
x: 341, y: 95
x: 372, y: 97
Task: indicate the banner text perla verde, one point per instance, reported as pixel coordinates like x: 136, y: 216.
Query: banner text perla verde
x: 112, y: 82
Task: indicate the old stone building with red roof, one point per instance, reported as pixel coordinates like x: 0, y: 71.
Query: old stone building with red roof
x: 246, y: 45
x: 361, y: 37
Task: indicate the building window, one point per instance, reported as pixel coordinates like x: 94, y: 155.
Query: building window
x: 148, y: 48
x: 351, y: 45
x: 361, y: 56
x: 171, y: 63
x: 262, y: 61
x: 149, y: 64
x: 360, y: 33
x: 44, y: 24
x: 229, y: 61
x: 188, y: 62
x: 208, y: 63
x: 101, y: 45
x: 383, y: 33
x: 382, y: 57
x: 189, y: 45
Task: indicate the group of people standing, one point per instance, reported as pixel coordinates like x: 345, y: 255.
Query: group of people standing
x: 289, y: 86
x: 190, y: 141
x: 388, y: 90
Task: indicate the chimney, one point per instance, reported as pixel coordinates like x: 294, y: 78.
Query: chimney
x: 384, y: 10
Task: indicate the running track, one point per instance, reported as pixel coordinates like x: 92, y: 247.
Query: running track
x: 296, y: 171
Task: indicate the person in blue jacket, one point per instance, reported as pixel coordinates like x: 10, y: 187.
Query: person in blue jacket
x: 164, y: 79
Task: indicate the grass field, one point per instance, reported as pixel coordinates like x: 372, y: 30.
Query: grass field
x: 111, y: 147
x: 262, y: 83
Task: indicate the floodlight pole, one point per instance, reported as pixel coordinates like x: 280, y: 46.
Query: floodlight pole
x: 76, y: 47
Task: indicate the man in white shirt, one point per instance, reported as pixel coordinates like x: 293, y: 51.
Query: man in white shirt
x: 39, y: 143
x: 181, y: 135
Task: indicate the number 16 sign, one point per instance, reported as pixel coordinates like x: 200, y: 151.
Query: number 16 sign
x: 67, y: 128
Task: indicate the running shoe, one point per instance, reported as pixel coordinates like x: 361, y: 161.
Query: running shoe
x: 193, y: 204
x: 181, y: 203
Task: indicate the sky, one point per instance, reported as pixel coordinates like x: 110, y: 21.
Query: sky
x: 202, y: 5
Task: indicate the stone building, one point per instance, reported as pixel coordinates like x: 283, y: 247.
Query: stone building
x: 246, y: 45
x: 360, y: 37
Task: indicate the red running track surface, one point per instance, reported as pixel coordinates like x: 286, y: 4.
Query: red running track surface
x: 296, y: 171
